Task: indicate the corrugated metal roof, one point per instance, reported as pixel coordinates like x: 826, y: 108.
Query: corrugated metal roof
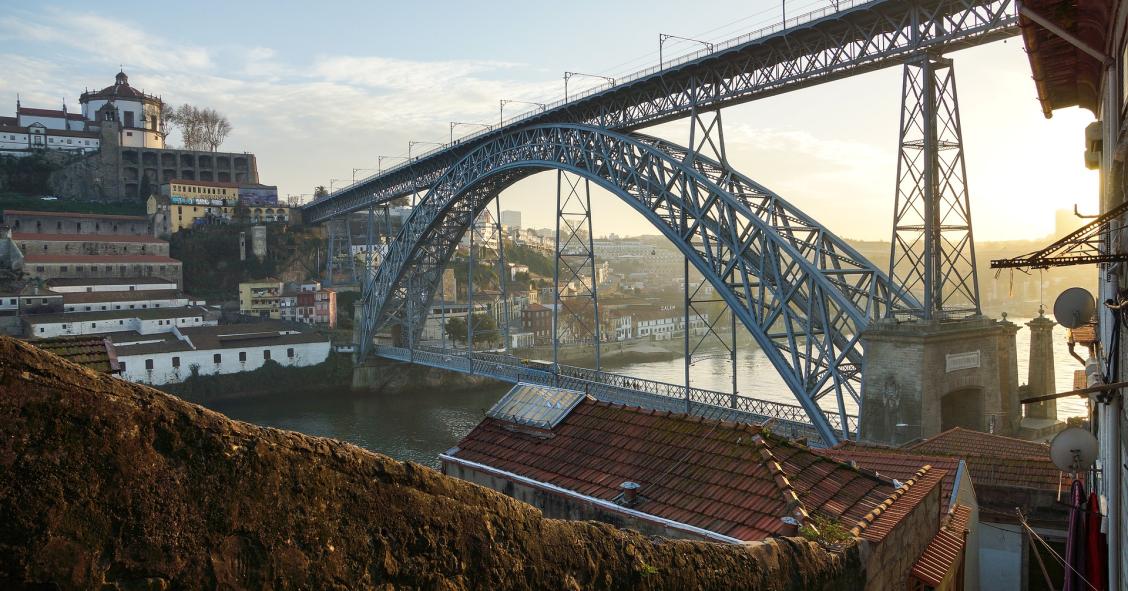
x: 535, y: 406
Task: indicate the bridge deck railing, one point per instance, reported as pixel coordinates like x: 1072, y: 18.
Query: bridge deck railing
x: 618, y: 388
x: 666, y: 64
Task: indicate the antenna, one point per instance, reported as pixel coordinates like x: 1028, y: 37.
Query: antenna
x: 1073, y: 450
x: 1074, y: 307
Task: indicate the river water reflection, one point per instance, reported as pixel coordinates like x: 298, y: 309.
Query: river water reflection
x: 419, y: 425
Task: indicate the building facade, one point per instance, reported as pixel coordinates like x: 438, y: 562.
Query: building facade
x: 144, y: 322
x: 64, y: 222
x: 261, y: 299
x: 138, y: 115
x: 91, y: 244
x: 216, y: 350
x: 45, y: 267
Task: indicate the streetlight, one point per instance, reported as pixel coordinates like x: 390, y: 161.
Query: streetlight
x: 411, y: 144
x: 356, y: 170
x: 380, y: 161
x: 568, y: 75
x: 331, y: 181
x: 454, y: 124
x: 662, y: 37
x: 501, y: 107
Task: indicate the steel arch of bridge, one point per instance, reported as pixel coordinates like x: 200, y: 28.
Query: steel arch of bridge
x: 803, y: 293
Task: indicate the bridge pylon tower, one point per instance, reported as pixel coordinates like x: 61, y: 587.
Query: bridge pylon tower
x: 338, y: 243
x: 933, y: 247
x: 941, y: 364
x: 575, y: 314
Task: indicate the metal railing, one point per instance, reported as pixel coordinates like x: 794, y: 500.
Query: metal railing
x: 787, y: 418
x: 621, y: 81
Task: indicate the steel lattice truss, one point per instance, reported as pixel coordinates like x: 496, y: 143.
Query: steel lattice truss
x: 933, y: 252
x: 1087, y: 245
x: 856, y: 40
x: 802, y: 292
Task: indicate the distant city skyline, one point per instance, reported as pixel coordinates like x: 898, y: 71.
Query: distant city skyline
x: 316, y: 95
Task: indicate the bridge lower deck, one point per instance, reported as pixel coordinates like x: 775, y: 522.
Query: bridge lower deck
x: 786, y: 419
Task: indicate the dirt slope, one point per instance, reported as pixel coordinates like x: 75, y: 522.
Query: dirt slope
x: 109, y: 485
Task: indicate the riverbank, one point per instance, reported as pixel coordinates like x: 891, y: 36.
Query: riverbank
x: 334, y: 373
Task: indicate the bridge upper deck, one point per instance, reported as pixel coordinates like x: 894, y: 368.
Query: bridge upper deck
x: 817, y: 47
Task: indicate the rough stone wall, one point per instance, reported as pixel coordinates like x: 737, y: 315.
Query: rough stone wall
x: 111, y: 485
x: 97, y: 247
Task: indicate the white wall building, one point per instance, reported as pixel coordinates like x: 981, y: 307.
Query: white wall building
x: 145, y: 322
x: 84, y: 284
x: 102, y: 301
x: 137, y: 114
x: 225, y: 349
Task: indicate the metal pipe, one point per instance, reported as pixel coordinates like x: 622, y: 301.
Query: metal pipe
x: 556, y: 283
x: 594, y: 277
x: 503, y: 274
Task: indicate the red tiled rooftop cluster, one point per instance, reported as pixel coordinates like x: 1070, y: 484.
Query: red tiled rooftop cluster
x: 728, y: 478
x: 995, y: 460
x: 894, y: 463
x: 945, y: 551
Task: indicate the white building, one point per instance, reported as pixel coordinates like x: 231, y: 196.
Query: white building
x: 138, y: 114
x: 151, y: 321
x: 663, y: 326
x: 226, y: 349
x: 86, y: 284
x: 102, y: 301
x: 18, y: 140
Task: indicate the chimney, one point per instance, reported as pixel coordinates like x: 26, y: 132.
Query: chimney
x: 630, y: 493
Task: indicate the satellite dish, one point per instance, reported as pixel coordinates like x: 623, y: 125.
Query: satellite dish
x: 1074, y: 307
x: 1073, y: 450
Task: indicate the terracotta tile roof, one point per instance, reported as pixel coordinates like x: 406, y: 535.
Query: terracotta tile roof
x: 894, y: 463
x: 940, y: 560
x: 202, y: 183
x: 728, y: 478
x: 56, y: 113
x: 958, y: 441
x: 880, y: 521
x: 1080, y: 380
x: 112, y: 259
x: 87, y: 238
x: 71, y: 214
x: 94, y: 352
x: 9, y: 121
x: 995, y: 460
x: 1086, y: 334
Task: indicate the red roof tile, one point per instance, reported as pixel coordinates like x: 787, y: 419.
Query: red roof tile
x: 958, y: 441
x: 701, y: 472
x: 995, y: 460
x: 894, y: 463
x: 884, y: 518
x: 941, y: 559
x: 56, y: 113
x: 94, y: 352
x: 87, y: 238
x: 71, y: 214
x: 98, y: 259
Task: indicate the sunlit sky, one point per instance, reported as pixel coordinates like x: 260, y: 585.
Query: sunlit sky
x: 317, y: 89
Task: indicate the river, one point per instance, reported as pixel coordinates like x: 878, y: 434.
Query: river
x: 419, y: 425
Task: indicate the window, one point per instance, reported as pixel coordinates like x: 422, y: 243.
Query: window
x: 290, y: 352
x: 148, y: 364
x: 242, y: 356
x: 217, y: 358
x: 63, y: 269
x: 93, y: 325
x: 266, y: 354
x: 121, y: 365
x: 176, y: 361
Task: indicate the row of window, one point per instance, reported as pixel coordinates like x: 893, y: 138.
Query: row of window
x: 116, y: 307
x: 106, y: 268
x: 216, y: 358
x: 195, y: 320
x: 200, y: 190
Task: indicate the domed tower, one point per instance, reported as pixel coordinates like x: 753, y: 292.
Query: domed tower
x: 139, y: 114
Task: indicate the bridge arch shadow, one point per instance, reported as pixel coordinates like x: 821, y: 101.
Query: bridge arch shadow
x: 803, y: 293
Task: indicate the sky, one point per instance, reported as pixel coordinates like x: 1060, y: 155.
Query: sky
x: 316, y: 90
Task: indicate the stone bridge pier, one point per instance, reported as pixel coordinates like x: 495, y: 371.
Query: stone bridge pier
x: 923, y: 377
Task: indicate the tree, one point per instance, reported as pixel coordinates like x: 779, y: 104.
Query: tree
x: 320, y: 191
x: 200, y: 129
x: 485, y: 329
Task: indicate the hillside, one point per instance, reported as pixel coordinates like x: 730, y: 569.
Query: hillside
x: 111, y: 485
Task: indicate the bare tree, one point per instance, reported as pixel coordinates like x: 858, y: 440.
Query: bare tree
x: 320, y: 191
x: 200, y: 129
x: 216, y: 127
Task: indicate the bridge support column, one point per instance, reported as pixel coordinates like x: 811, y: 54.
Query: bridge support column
x: 575, y: 316
x: 943, y: 365
x: 933, y: 247
x: 922, y: 378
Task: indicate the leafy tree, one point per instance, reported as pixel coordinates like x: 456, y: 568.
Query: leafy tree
x: 485, y: 329
x: 320, y: 191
